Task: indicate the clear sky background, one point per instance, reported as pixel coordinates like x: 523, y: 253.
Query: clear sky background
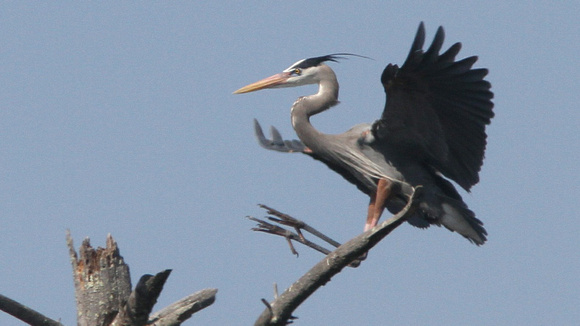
x: 119, y: 118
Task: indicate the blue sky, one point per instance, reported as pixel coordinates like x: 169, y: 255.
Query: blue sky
x: 119, y: 118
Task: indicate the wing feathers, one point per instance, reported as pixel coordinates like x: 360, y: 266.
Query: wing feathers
x: 449, y: 55
x: 437, y: 109
x: 417, y: 47
x: 432, y: 54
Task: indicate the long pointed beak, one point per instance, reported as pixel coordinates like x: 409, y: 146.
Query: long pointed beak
x: 269, y: 82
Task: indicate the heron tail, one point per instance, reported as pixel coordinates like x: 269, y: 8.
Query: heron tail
x: 458, y: 218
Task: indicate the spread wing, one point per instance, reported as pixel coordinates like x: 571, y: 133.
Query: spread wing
x: 437, y: 109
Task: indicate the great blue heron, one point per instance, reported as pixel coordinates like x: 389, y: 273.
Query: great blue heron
x: 432, y: 127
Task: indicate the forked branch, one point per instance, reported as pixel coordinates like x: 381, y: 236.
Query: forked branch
x: 279, y: 312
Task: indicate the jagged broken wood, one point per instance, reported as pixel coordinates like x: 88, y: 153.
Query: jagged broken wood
x: 104, y: 296
x: 279, y: 312
x: 102, y: 281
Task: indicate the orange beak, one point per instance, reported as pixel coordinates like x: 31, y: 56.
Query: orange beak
x: 269, y: 82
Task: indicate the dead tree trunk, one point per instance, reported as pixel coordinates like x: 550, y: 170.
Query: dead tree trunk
x: 104, y: 297
x: 102, y: 282
x: 103, y: 291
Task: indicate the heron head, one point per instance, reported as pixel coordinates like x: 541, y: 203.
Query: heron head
x: 303, y: 72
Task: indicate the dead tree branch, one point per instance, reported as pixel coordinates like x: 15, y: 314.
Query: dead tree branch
x: 27, y: 315
x: 270, y: 228
x: 279, y: 312
x: 104, y: 296
x: 141, y: 301
x: 298, y: 225
x: 181, y: 310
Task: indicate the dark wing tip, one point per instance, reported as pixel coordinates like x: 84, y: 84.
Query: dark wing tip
x: 432, y: 54
x: 417, y: 46
x: 449, y: 55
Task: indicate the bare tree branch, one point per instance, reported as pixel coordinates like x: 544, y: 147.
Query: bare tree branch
x: 27, y: 315
x: 178, y: 312
x: 297, y: 224
x: 136, y: 310
x: 270, y: 228
x: 279, y: 312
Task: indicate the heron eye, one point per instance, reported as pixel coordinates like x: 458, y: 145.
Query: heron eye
x: 297, y: 71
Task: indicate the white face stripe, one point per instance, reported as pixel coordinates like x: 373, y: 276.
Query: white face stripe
x: 289, y: 69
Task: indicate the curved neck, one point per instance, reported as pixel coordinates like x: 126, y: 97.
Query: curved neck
x: 307, y: 106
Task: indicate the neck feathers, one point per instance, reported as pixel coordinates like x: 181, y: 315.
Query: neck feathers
x: 325, y: 98
x: 307, y: 106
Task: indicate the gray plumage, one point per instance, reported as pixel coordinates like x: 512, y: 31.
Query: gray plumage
x: 432, y: 128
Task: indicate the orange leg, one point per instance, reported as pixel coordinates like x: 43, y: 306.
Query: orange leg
x: 377, y: 203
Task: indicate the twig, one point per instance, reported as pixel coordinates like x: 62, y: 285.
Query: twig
x: 270, y: 228
x: 286, y: 219
x: 297, y: 224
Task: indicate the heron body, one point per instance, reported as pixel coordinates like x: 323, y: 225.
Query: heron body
x: 432, y: 128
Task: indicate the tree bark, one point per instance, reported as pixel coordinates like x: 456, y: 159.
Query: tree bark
x: 102, y: 282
